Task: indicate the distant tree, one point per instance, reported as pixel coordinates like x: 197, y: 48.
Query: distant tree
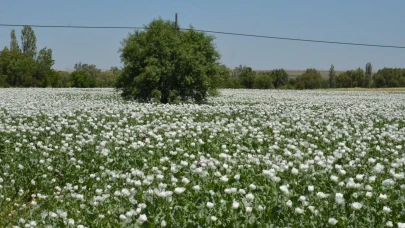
x: 91, y: 72
x: 369, y: 70
x: 29, y: 41
x: 14, y: 43
x: 263, y: 80
x: 358, y: 77
x: 343, y: 80
x: 21, y: 71
x: 292, y: 83
x: 5, y: 56
x: 107, y: 79
x: 299, y: 84
x: 63, y: 79
x: 310, y: 79
x: 225, y: 79
x: 54, y: 79
x: 79, y: 79
x: 24, y: 68
x: 3, y: 81
x: 245, y: 75
x: 3, y: 68
x: 168, y: 65
x: 390, y: 77
x: 17, y: 69
x: 332, y: 77
x: 280, y: 77
x: 115, y: 70
x: 325, y: 83
x: 44, y: 75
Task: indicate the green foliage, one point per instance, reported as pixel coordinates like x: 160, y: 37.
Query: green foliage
x: 105, y: 79
x: 85, y: 75
x: 181, y: 65
x: 89, y: 76
x: 63, y: 78
x: 263, y: 80
x: 389, y: 77
x: 17, y: 69
x: 224, y: 76
x: 54, y: 79
x: 368, y: 74
x: 21, y: 69
x: 31, y: 69
x: 79, y: 79
x: 245, y: 76
x: 29, y: 41
x: 44, y: 76
x: 3, y: 81
x: 332, y: 77
x: 351, y: 78
x: 14, y: 43
x: 343, y: 80
x: 168, y: 65
x: 325, y: 83
x: 310, y: 79
x: 280, y: 77
x: 292, y: 82
x: 358, y: 77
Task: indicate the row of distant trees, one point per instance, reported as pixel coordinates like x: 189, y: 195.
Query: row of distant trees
x: 245, y: 77
x: 24, y: 66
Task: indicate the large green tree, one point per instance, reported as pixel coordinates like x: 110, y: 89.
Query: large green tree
x: 21, y: 71
x: 29, y: 41
x: 4, y: 61
x: 16, y: 69
x: 167, y: 64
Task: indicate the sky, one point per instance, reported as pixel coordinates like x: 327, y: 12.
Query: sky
x: 360, y: 21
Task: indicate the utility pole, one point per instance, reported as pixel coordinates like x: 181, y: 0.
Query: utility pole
x: 176, y: 22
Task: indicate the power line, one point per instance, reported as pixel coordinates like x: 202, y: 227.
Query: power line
x: 71, y: 26
x: 304, y: 40
x: 210, y: 31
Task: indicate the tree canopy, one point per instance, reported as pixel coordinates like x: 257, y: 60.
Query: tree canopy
x: 310, y: 79
x: 166, y: 64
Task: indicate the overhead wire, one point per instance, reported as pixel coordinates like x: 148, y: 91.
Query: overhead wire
x: 211, y: 31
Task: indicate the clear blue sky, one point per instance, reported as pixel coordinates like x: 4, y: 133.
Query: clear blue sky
x: 359, y: 21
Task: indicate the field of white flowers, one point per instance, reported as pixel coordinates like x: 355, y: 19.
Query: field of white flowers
x: 248, y: 158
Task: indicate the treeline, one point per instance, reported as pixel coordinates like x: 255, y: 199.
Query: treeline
x: 246, y: 77
x: 89, y: 76
x: 26, y: 67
